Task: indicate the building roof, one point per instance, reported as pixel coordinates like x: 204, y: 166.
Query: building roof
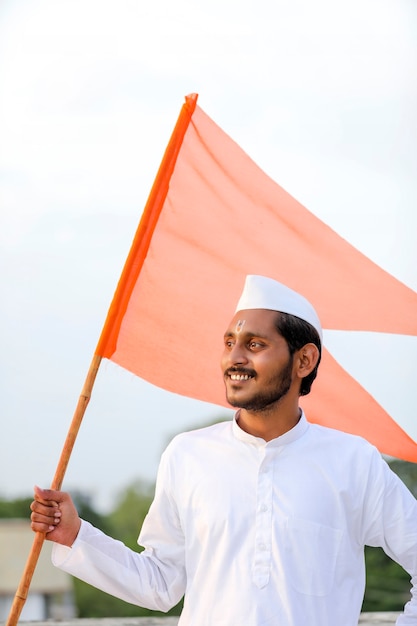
x: 16, y: 538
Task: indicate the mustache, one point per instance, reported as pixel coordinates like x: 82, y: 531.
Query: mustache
x: 239, y: 370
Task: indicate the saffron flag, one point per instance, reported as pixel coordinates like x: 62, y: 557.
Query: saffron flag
x: 212, y: 217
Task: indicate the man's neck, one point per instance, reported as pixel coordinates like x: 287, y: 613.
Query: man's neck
x: 268, y: 425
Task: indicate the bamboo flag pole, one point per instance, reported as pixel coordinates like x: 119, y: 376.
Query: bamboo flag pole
x: 108, y: 337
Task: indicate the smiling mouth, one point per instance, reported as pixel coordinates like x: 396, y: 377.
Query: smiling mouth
x: 239, y: 377
x: 236, y: 375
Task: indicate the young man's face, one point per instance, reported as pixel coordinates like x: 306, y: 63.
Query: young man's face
x: 256, y: 362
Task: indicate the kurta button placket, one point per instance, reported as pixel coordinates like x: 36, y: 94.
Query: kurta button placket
x: 263, y: 524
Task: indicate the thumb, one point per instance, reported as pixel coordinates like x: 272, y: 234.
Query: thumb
x: 50, y: 497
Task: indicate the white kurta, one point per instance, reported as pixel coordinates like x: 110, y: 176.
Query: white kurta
x: 259, y: 534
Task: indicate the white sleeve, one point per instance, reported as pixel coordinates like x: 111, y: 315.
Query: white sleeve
x: 392, y: 514
x: 154, y: 579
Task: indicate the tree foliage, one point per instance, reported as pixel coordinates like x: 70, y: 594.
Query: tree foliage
x: 15, y: 509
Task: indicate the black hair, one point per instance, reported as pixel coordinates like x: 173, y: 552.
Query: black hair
x: 297, y: 333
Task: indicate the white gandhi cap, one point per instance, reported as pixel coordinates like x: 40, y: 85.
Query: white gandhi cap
x: 261, y: 292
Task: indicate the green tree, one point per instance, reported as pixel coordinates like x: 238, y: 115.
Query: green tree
x: 15, y: 509
x: 129, y: 513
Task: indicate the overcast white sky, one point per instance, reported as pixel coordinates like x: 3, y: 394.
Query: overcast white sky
x: 322, y: 95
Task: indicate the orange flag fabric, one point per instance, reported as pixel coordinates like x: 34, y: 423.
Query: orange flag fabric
x: 212, y: 217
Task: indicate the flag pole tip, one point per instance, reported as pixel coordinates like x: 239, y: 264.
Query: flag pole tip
x: 192, y: 97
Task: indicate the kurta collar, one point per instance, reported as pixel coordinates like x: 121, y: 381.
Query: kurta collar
x: 285, y: 439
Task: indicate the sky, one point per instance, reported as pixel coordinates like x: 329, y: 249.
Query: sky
x: 322, y: 95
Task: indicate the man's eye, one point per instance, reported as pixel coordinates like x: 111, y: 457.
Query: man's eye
x: 255, y: 344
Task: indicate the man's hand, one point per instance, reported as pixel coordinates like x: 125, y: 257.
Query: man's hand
x: 54, y: 513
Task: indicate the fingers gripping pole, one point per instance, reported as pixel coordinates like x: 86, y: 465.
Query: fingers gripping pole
x: 23, y: 588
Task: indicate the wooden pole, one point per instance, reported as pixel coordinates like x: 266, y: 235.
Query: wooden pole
x: 23, y: 588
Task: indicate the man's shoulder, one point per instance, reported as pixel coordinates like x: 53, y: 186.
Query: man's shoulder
x: 212, y: 432
x: 340, y: 439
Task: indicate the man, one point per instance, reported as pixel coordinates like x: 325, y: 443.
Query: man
x: 261, y: 521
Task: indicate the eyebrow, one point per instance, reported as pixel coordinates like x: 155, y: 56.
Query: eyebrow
x: 245, y: 333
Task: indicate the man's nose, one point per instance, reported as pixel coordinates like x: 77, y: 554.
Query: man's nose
x: 238, y: 355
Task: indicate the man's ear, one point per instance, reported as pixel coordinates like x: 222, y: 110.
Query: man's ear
x: 307, y: 359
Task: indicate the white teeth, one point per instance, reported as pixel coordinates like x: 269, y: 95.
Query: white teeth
x: 240, y: 376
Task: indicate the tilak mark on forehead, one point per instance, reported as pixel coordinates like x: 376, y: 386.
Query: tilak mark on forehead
x: 239, y: 325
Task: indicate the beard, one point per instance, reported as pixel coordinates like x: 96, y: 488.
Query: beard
x: 277, y: 387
